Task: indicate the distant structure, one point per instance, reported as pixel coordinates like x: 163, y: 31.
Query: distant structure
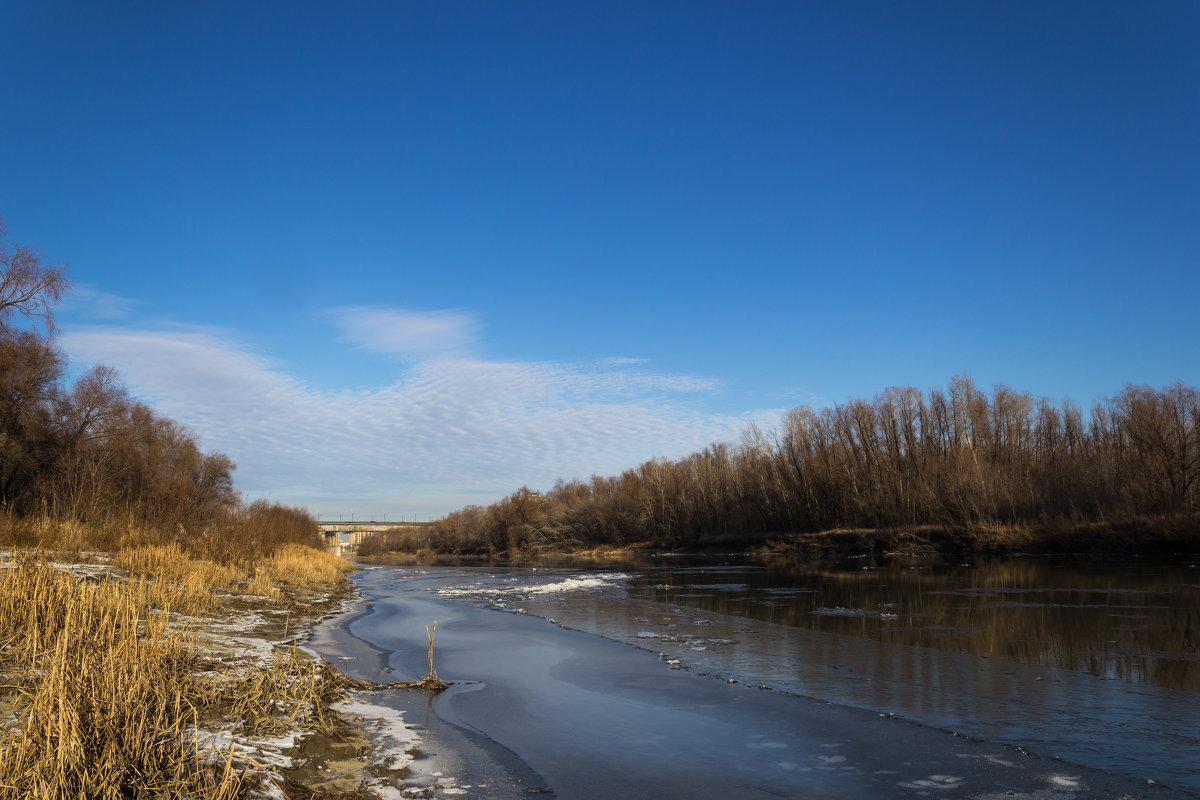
x: 344, y: 537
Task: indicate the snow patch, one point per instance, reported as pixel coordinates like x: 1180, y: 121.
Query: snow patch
x: 385, y: 726
x: 939, y: 782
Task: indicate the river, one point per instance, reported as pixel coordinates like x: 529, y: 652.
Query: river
x: 1030, y: 663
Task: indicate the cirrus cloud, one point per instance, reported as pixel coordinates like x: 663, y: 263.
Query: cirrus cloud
x: 405, y: 334
x: 446, y: 429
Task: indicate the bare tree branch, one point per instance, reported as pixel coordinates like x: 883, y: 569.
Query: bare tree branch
x: 28, y: 287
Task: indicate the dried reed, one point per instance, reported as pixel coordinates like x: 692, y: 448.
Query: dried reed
x: 105, y: 693
x: 105, y: 700
x: 431, y: 634
x: 291, y: 567
x: 302, y: 566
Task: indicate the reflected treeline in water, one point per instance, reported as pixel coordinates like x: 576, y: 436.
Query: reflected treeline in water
x: 1133, y: 620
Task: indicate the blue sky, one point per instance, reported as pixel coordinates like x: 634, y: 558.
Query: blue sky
x: 397, y: 257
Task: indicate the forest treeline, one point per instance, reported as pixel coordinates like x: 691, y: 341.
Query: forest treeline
x: 958, y: 467
x: 86, y: 454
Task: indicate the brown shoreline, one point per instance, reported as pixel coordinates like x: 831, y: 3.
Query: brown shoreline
x: 1142, y: 536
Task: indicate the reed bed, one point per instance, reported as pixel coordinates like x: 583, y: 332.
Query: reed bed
x: 276, y: 578
x: 293, y: 693
x: 297, y: 565
x: 165, y: 579
x: 170, y: 563
x: 105, y: 693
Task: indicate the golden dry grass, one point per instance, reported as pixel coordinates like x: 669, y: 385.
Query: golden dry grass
x: 293, y: 693
x: 290, y: 568
x: 175, y: 582
x: 105, y: 693
x: 169, y: 562
x: 297, y: 565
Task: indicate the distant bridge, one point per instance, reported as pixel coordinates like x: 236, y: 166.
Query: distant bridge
x: 346, y: 536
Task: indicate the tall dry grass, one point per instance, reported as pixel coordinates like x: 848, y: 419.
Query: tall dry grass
x: 297, y: 565
x: 293, y: 693
x: 105, y: 694
x: 276, y: 577
x: 109, y: 694
x: 175, y: 582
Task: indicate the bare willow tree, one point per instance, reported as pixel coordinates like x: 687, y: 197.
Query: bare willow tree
x: 30, y: 365
x: 29, y: 287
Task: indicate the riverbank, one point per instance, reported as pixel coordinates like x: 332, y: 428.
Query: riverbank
x: 1135, y: 536
x: 148, y: 671
x: 1162, y: 535
x: 538, y: 706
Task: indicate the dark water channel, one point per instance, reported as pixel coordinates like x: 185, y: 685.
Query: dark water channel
x: 1097, y: 662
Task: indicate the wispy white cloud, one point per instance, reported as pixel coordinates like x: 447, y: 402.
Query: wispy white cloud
x: 448, y: 429
x: 407, y: 335
x: 88, y: 303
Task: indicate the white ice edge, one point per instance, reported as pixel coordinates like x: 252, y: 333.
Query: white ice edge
x: 385, y: 727
x: 597, y: 581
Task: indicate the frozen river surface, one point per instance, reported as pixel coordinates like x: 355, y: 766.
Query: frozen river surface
x: 692, y: 679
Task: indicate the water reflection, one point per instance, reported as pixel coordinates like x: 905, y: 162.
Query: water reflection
x: 1137, y: 622
x: 1098, y: 662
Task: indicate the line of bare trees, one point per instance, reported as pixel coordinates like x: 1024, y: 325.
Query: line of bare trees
x: 89, y: 453
x: 957, y: 459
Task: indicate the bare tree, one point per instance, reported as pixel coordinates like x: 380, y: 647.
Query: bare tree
x: 28, y: 287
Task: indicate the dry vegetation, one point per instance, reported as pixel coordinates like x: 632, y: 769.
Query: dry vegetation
x: 128, y: 675
x: 106, y: 693
x: 956, y: 469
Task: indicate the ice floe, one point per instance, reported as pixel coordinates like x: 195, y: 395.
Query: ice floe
x: 590, y: 583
